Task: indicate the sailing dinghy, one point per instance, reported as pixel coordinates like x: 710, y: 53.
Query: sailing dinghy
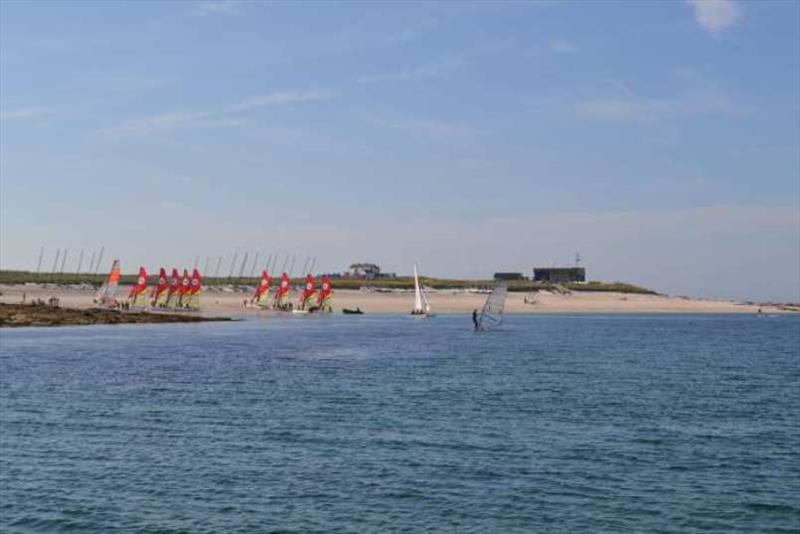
x: 492, y: 312
x: 261, y: 296
x: 106, y: 296
x: 306, y: 298
x: 422, y: 307
x: 137, y: 297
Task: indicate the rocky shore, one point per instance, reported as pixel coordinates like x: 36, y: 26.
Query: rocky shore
x: 47, y: 315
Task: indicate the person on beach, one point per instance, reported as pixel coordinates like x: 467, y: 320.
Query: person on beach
x: 475, y: 318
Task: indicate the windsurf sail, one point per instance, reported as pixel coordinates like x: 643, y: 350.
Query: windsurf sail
x: 492, y: 312
x: 325, y: 294
x: 138, y: 293
x: 174, y: 294
x: 261, y: 296
x: 160, y: 292
x: 107, y: 294
x: 282, y: 295
x: 308, y: 293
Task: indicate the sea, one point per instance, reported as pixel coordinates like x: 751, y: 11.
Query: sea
x: 384, y: 423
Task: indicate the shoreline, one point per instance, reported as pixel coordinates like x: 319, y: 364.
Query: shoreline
x: 45, y: 315
x: 231, y: 303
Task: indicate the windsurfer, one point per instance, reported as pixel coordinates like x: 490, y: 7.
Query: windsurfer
x: 475, y: 318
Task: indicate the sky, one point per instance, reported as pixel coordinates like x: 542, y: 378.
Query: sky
x: 660, y: 140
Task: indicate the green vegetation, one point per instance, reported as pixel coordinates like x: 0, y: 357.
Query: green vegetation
x: 21, y: 277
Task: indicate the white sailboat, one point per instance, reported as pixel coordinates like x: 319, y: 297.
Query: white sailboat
x: 422, y: 307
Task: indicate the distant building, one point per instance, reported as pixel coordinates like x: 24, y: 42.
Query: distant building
x: 559, y: 274
x: 508, y: 276
x: 364, y: 270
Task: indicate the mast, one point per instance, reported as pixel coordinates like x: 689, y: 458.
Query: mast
x: 91, y: 262
x: 55, y: 262
x: 39, y: 263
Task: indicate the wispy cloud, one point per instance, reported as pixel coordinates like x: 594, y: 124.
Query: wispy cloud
x: 715, y: 15
x: 222, y: 7
x: 425, y: 71
x: 646, y: 109
x: 562, y: 46
x: 280, y: 98
x: 216, y: 118
x: 428, y: 127
x: 23, y: 113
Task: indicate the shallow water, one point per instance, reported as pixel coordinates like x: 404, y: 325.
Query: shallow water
x: 384, y: 423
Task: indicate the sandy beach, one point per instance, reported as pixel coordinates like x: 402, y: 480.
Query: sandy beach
x: 216, y: 301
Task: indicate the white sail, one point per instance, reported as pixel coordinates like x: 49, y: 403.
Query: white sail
x: 425, y: 304
x: 492, y: 312
x: 418, y: 309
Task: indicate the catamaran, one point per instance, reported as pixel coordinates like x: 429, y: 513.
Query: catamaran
x: 106, y: 296
x: 191, y: 299
x: 183, y: 293
x: 325, y: 295
x: 261, y: 296
x: 174, y: 294
x: 422, y: 307
x: 492, y: 312
x: 282, y: 294
x: 158, y: 298
x: 306, y: 297
x: 138, y: 294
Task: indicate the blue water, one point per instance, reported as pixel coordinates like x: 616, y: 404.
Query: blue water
x: 381, y: 424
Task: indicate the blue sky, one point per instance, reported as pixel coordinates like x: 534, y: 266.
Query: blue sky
x: 659, y: 139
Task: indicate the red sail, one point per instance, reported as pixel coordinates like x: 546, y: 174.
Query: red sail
x: 175, y: 286
x: 286, y: 285
x: 162, y: 285
x: 309, y: 289
x: 325, y: 290
x: 186, y: 282
x: 140, y: 285
x: 197, y: 282
x: 263, y: 286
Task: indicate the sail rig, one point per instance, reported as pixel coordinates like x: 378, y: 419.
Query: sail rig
x: 325, y: 294
x: 158, y: 298
x: 422, y: 307
x: 306, y: 297
x: 492, y: 312
x: 191, y: 299
x: 282, y: 294
x: 186, y: 284
x: 106, y: 296
x: 174, y: 294
x: 138, y: 293
x: 261, y: 296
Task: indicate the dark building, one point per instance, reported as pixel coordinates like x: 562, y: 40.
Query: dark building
x: 365, y: 270
x: 508, y: 276
x: 559, y: 274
